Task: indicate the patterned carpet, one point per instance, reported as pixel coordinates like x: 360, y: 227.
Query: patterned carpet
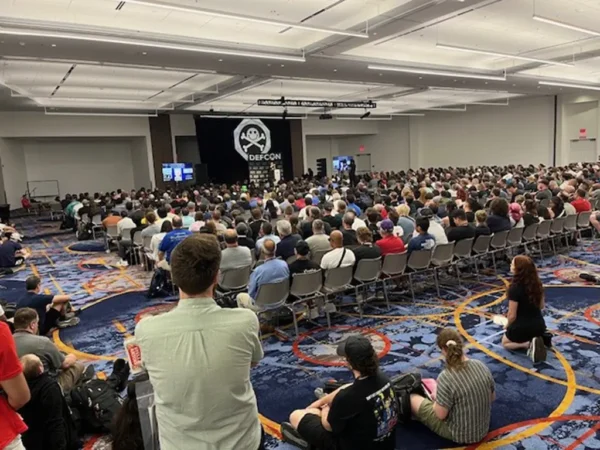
x: 555, y: 406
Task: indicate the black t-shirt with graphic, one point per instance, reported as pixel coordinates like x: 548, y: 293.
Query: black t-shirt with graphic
x: 364, y: 415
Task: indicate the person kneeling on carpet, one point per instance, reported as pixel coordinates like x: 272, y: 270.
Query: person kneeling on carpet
x: 526, y: 327
x: 53, y: 310
x: 47, y: 415
x: 462, y: 404
x: 359, y: 416
x: 65, y: 369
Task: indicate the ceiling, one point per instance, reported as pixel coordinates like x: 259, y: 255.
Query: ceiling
x: 219, y: 57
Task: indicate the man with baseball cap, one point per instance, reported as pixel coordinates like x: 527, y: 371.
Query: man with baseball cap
x: 358, y: 416
x: 389, y: 242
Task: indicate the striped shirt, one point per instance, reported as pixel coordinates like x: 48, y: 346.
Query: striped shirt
x: 466, y: 393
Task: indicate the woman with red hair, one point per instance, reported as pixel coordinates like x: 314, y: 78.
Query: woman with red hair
x: 526, y: 326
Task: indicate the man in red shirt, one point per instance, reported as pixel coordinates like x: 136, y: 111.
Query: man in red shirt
x: 16, y: 392
x: 581, y: 204
x: 389, y: 242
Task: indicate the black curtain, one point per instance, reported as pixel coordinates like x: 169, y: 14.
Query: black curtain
x: 217, y: 148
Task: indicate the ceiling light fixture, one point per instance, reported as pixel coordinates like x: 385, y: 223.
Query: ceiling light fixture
x: 500, y: 54
x: 565, y: 25
x: 242, y: 17
x: 186, y: 48
x: 442, y: 108
x: 250, y: 116
x: 386, y: 117
x: 569, y: 85
x: 74, y: 113
x: 442, y: 73
x: 409, y: 114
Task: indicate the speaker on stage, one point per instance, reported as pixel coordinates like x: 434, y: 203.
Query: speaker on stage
x: 201, y: 174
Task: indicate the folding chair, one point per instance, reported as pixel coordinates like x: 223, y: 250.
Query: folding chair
x: 394, y: 266
x: 56, y: 211
x: 233, y: 281
x: 337, y: 280
x: 481, y: 248
x: 556, y: 230
x: 305, y: 286
x: 570, y: 228
x: 111, y: 234
x: 442, y: 256
x: 291, y: 259
x: 543, y: 234
x: 583, y: 222
x: 97, y: 225
x: 137, y: 246
x: 318, y: 256
x: 272, y: 297
x: 462, y: 252
x: 498, y: 244
x: 367, y: 272
x: 530, y: 236
x: 418, y: 261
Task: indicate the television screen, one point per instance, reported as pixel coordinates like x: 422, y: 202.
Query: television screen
x: 341, y: 163
x: 178, y: 172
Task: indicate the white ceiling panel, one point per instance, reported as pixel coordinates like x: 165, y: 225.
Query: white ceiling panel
x: 32, y: 73
x: 95, y: 104
x: 585, y: 71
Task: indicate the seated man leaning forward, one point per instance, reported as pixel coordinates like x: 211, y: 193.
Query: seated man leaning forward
x: 358, y: 416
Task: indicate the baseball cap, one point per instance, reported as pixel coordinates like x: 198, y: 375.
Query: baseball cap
x: 387, y: 225
x: 302, y: 248
x: 355, y: 347
x: 426, y: 212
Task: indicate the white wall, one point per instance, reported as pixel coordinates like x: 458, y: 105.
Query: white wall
x: 522, y: 133
x: 574, y: 113
x: 183, y: 125
x: 140, y: 164
x: 80, y: 165
x: 14, y: 171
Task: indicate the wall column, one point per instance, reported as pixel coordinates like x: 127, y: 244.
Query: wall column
x: 162, y: 145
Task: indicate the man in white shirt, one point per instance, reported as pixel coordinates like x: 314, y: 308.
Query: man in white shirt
x: 435, y: 229
x: 124, y: 227
x: 339, y: 256
x: 199, y: 356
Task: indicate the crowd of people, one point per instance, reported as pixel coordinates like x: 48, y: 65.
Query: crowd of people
x: 205, y: 400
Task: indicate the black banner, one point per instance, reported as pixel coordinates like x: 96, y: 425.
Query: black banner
x: 315, y: 103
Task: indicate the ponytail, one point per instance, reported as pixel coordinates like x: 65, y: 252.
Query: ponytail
x: 450, y: 341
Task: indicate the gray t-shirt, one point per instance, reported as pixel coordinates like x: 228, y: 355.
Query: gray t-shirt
x: 466, y: 393
x: 42, y: 347
x: 235, y: 257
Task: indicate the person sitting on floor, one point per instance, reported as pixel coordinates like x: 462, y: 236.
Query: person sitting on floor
x: 65, y: 369
x: 462, y: 229
x: 273, y: 270
x: 389, y: 242
x: 170, y: 241
x: 12, y: 253
x: 526, y: 325
x: 52, y: 310
x: 423, y: 240
x: 47, y: 414
x: 362, y: 415
x: 462, y: 405
x: 303, y: 263
x: 340, y: 256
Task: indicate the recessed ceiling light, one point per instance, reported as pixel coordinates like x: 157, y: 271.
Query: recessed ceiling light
x: 220, y: 59
x: 53, y: 45
x: 22, y: 44
x: 420, y: 78
x: 144, y: 53
x: 283, y: 65
x: 269, y: 65
x: 335, y: 70
x: 514, y: 85
x: 486, y: 82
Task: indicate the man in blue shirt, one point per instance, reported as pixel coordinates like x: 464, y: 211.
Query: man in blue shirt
x: 422, y: 241
x: 352, y: 205
x: 271, y: 271
x: 170, y: 241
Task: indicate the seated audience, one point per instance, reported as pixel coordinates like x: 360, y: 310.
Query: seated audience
x: 12, y: 253
x: 112, y: 220
x: 52, y: 310
x: 186, y: 219
x: 360, y: 415
x: 191, y: 412
x: 125, y: 238
x: 481, y: 226
x: 66, y: 370
x: 389, y: 242
x: 47, y: 415
x: 257, y: 221
x: 557, y: 208
x: 516, y: 215
x: 498, y: 219
x: 156, y: 240
x: 462, y: 407
x: 266, y: 232
x: 348, y: 232
x: 339, y: 256
x: 198, y: 223
x: 319, y: 241
x: 581, y: 203
x: 152, y: 227
x: 285, y: 247
x: 302, y: 264
x: 365, y: 248
x: 423, y: 240
x: 436, y: 230
x: 234, y: 256
x: 462, y: 229
x: 4, y: 319
x: 272, y: 270
x: 531, y: 213
x: 243, y: 239
x: 170, y: 241
x: 15, y: 393
x: 406, y: 222
x: 526, y: 325
x: 334, y: 221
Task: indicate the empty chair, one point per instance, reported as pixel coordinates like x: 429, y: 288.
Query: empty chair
x: 556, y: 230
x: 111, y: 234
x: 394, y: 264
x: 137, y: 245
x: 481, y: 248
x: 583, y: 222
x: 462, y: 252
x: 56, y: 211
x: 305, y: 286
x: 530, y: 236
x: 570, y: 228
x: 514, y: 238
x: 97, y: 225
x: 442, y: 256
x: 418, y: 261
x: 272, y: 296
x: 318, y: 256
x: 498, y: 244
x: 336, y: 280
x: 367, y: 271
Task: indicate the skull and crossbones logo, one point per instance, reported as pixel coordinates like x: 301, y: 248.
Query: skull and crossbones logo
x: 252, y: 136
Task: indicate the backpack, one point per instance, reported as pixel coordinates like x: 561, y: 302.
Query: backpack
x: 159, y: 286
x: 98, y: 404
x: 85, y: 232
x: 404, y: 385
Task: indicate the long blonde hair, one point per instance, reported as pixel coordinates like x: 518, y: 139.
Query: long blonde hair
x: 450, y: 341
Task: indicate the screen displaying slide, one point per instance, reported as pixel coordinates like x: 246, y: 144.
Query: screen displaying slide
x: 341, y: 163
x: 178, y: 172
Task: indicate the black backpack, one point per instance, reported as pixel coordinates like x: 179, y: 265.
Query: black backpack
x: 98, y: 404
x: 85, y: 232
x: 160, y: 285
x: 404, y: 385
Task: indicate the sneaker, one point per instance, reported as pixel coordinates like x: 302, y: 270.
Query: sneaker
x: 68, y: 322
x: 319, y: 393
x: 291, y: 436
x: 69, y: 315
x: 314, y: 313
x: 122, y: 263
x: 537, y: 350
x: 547, y: 337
